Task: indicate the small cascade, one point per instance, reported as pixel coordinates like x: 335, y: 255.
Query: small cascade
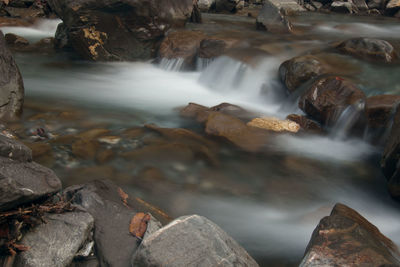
x: 173, y: 64
x: 203, y: 63
x: 350, y: 116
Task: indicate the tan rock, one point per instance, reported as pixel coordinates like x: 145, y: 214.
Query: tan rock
x: 275, y: 124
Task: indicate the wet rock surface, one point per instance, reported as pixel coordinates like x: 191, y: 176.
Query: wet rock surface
x: 325, y: 100
x: 345, y: 238
x: 96, y: 29
x: 369, y: 48
x: 56, y: 242
x: 11, y: 84
x: 191, y: 240
x: 112, y: 210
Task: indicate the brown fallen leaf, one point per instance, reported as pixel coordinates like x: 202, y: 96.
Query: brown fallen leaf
x: 124, y: 197
x: 138, y: 225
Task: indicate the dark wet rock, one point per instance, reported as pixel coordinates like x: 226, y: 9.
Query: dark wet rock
x: 345, y: 238
x: 214, y: 47
x: 55, y: 242
x: 11, y: 84
x: 236, y: 131
x: 376, y: 4
x: 380, y: 109
x: 233, y: 110
x: 273, y: 16
x: 306, y: 124
x: 112, y: 210
x: 392, y: 7
x: 25, y: 13
x: 361, y: 5
x: 23, y: 182
x: 61, y: 38
x: 14, y: 40
x: 195, y: 111
x: 14, y: 22
x: 182, y: 45
x: 391, y: 156
x: 191, y: 241
x: 368, y: 48
x: 10, y: 148
x: 326, y: 99
x: 226, y: 5
x: 299, y: 70
x: 343, y: 7
x: 98, y: 28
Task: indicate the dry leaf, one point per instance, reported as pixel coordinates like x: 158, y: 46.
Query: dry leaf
x: 124, y: 197
x: 138, y: 225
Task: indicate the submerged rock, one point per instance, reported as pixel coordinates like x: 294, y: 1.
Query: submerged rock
x: 345, y: 238
x: 326, y: 99
x: 191, y: 241
x: 11, y: 84
x: 98, y: 29
x: 14, y: 40
x: 369, y: 48
x: 112, y: 210
x: 273, y: 15
x: 55, y: 242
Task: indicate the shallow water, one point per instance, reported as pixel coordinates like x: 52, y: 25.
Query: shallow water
x: 270, y: 202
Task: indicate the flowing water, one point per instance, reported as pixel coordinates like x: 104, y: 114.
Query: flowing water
x: 269, y: 202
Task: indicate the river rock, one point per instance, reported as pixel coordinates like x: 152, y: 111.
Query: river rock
x: 26, y: 13
x: 23, y: 182
x: 195, y: 111
x: 273, y: 15
x: 182, y: 45
x: 392, y: 7
x: 380, y: 109
x: 369, y: 48
x: 325, y: 100
x: 211, y: 48
x: 226, y: 5
x: 391, y: 156
x: 10, y: 148
x: 299, y: 70
x: 236, y: 131
x: 306, y: 124
x: 55, y: 242
x: 11, y: 84
x: 343, y: 7
x: 112, y: 210
x: 275, y: 124
x: 376, y: 4
x: 98, y: 28
x: 345, y: 238
x: 14, y: 40
x: 191, y: 241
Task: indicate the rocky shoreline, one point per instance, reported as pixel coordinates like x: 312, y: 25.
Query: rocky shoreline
x: 97, y: 223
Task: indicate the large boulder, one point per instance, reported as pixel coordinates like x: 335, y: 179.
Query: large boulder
x: 345, y: 238
x: 120, y: 30
x: 299, y: 70
x: 273, y: 16
x: 112, y: 210
x: 11, y: 84
x: 55, y: 242
x: 369, y: 48
x: 326, y: 99
x: 379, y: 110
x: 205, y: 5
x: 391, y: 156
x: 191, y: 241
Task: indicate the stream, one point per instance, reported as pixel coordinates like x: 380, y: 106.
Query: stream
x: 269, y: 202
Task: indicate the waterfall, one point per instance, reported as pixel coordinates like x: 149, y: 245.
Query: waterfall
x: 173, y: 64
x: 349, y: 117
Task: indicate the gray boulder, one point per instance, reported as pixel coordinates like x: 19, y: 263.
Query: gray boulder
x: 11, y: 84
x: 112, y: 211
x: 15, y: 150
x: 191, y: 241
x: 23, y: 182
x: 273, y: 17
x: 205, y: 5
x: 55, y: 242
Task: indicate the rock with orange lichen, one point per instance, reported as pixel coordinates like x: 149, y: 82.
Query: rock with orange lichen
x: 345, y: 238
